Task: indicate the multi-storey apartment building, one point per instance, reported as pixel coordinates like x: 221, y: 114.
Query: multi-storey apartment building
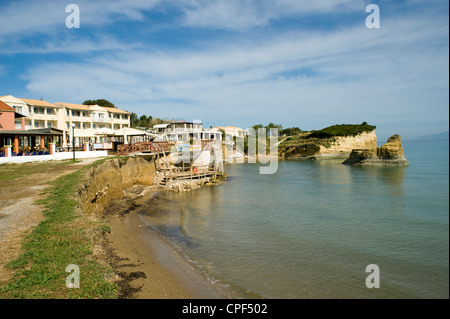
x: 87, y: 123
x: 93, y: 123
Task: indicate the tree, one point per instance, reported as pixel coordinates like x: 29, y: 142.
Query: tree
x: 133, y: 119
x: 100, y: 102
x: 257, y: 126
x: 271, y: 125
x: 290, y: 131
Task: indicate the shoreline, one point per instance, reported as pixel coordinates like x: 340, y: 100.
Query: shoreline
x: 151, y: 266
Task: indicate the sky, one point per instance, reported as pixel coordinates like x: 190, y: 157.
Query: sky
x: 298, y: 63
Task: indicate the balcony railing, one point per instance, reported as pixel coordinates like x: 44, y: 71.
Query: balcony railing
x: 183, y: 129
x: 101, y: 119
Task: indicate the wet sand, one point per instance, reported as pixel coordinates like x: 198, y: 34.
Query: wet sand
x: 154, y: 269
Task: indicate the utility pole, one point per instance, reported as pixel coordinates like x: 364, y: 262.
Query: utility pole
x: 73, y: 141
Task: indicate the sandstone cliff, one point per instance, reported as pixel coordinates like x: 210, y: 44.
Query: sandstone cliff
x: 335, y: 147
x: 390, y: 154
x: 111, y: 179
x: 343, y: 145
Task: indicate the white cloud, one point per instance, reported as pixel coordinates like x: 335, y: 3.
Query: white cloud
x: 244, y: 14
x: 25, y: 18
x: 71, y: 45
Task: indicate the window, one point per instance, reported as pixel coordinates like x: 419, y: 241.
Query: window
x: 39, y: 123
x: 39, y: 110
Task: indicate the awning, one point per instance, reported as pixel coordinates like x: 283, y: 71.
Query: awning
x: 34, y: 132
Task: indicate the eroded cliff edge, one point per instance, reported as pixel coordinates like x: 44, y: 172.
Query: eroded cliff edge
x: 112, y: 180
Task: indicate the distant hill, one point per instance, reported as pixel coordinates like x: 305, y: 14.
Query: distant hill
x: 433, y: 137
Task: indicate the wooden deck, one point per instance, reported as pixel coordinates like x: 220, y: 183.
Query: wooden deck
x: 184, y: 173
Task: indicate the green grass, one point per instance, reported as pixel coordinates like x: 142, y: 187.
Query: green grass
x: 13, y: 171
x: 62, y: 238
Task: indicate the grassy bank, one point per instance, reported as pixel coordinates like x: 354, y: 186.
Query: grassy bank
x: 64, y: 237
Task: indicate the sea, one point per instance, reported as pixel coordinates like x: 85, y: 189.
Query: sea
x: 318, y: 228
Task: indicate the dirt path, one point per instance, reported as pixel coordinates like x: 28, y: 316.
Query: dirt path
x: 18, y: 211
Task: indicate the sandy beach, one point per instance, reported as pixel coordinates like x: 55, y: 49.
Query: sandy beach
x: 153, y: 268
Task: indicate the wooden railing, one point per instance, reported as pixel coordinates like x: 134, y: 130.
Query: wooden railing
x: 152, y: 147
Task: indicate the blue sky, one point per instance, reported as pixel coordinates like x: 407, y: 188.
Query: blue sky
x: 309, y: 64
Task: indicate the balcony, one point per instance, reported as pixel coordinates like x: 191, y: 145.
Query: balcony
x: 101, y: 119
x: 183, y: 130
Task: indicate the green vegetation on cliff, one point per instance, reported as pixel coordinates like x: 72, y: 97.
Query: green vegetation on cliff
x: 342, y: 130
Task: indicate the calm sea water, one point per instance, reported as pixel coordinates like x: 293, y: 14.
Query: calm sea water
x: 310, y: 230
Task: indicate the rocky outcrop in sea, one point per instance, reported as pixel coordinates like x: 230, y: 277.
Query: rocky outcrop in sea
x: 390, y: 154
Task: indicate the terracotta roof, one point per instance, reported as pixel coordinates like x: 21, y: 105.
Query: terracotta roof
x: 75, y: 106
x: 115, y: 110
x: 6, y: 107
x: 38, y: 102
